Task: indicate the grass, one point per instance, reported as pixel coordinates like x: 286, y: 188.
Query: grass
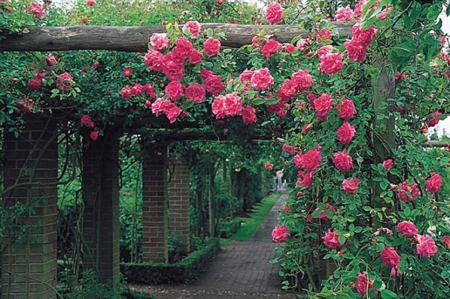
x: 251, y: 225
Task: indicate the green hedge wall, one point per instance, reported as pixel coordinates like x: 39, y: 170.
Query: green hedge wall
x: 179, y: 272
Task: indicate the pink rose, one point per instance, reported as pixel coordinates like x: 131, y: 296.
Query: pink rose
x: 159, y: 41
x: 426, y: 247
x: 249, y: 115
x: 407, y: 228
x: 93, y: 135
x: 323, y: 215
x: 183, y: 47
x: 323, y: 34
x: 331, y: 240
x: 211, y: 46
x: 363, y: 284
x: 306, y: 179
x: 286, y: 208
x: 324, y: 50
x: 213, y: 84
x: 193, y: 27
x: 272, y: 46
x: 274, y: 13
x: 387, y: 164
x: 90, y: 2
x: 331, y: 63
x: 196, y: 93
x: 154, y: 60
x: 174, y: 90
x: 407, y: 192
x: 434, y: 183
x: 342, y: 161
x: 350, y: 185
x: 390, y: 257
x: 245, y: 76
x: 86, y: 121
x: 36, y: 10
x: 280, y: 233
x: 310, y: 160
x: 127, y: 72
x: 195, y: 57
x: 150, y: 90
x: 322, y: 105
x: 346, y: 132
x: 355, y: 50
x: 346, y: 109
x: 174, y: 70
x: 289, y: 48
x: 344, y: 14
x: 262, y: 79
x: 446, y: 241
x: 172, y: 112
x: 363, y: 37
x: 288, y: 88
x: 64, y: 81
x: 303, y: 80
x: 233, y: 104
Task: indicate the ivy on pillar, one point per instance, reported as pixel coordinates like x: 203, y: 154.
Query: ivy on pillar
x: 100, y: 179
x: 30, y: 242
x: 179, y: 201
x: 154, y: 207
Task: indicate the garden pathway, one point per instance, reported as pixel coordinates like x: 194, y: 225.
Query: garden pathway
x: 240, y: 270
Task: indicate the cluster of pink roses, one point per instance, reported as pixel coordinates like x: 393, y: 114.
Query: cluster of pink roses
x: 408, y: 192
x: 172, y: 64
x: 137, y: 89
x: 63, y: 81
x: 87, y: 122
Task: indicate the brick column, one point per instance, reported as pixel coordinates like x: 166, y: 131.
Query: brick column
x: 101, y: 206
x: 179, y: 201
x: 154, y: 208
x: 29, y: 260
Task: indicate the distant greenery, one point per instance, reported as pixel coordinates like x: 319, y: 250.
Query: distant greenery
x: 250, y: 225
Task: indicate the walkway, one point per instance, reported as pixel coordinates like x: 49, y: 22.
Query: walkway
x: 241, y: 270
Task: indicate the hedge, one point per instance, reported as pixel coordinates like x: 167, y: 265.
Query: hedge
x: 179, y: 272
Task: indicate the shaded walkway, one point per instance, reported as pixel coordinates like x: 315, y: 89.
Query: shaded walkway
x: 241, y: 270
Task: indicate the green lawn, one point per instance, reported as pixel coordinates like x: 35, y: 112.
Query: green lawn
x: 250, y: 225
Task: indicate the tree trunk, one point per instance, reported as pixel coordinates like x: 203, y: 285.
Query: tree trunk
x: 135, y: 39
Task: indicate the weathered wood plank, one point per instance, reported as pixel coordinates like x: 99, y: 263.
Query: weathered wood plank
x: 135, y: 39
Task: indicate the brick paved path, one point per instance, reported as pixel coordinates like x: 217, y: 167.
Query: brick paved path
x: 241, y: 270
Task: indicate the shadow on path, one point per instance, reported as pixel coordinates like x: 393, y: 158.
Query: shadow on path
x: 241, y: 270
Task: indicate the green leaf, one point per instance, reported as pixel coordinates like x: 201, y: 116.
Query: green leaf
x: 403, y: 52
x: 434, y: 11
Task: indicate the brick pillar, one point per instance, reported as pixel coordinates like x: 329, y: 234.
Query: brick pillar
x: 29, y: 260
x: 101, y: 206
x: 154, y: 208
x: 179, y: 201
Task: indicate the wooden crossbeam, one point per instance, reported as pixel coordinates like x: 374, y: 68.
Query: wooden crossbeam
x: 135, y: 39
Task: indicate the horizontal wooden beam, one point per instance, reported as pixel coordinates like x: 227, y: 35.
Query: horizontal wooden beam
x: 135, y: 39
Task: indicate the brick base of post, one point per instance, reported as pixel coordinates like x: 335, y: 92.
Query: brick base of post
x: 30, y: 164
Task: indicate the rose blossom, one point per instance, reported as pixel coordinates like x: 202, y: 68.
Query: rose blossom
x: 64, y: 81
x: 306, y: 179
x: 323, y: 33
x: 154, y: 60
x: 310, y: 160
x: 196, y: 93
x: 350, y: 185
x: 249, y: 115
x: 174, y: 90
x: 36, y: 10
x: 127, y: 72
x: 390, y: 257
x: 407, y: 228
x: 355, y: 50
x: 280, y: 233
x: 159, y: 41
x: 90, y: 2
x: 363, y: 284
x: 193, y: 27
x: 211, y: 46
x: 345, y: 133
x: 446, y: 241
x: 274, y: 13
x: 286, y: 208
x: 272, y: 46
x: 346, y: 109
x: 195, y: 57
x: 434, y: 183
x: 322, y: 105
x: 342, y: 161
x: 93, y: 135
x: 344, y: 14
x: 407, y: 192
x: 387, y: 164
x: 323, y: 215
x: 331, y: 240
x: 262, y: 79
x: 87, y: 121
x: 289, y: 48
x: 324, y: 50
x: 426, y: 247
x: 303, y: 80
x: 213, y: 84
x: 288, y: 88
x: 331, y: 63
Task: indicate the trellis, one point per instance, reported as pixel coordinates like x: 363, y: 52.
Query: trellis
x: 34, y: 277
